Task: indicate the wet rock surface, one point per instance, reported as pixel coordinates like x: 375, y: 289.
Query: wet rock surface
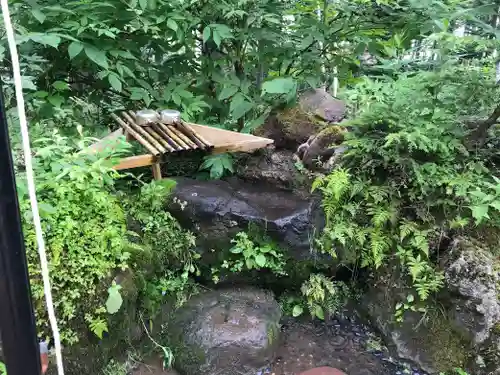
x: 343, y: 343
x: 275, y: 168
x: 225, y: 332
x: 217, y: 210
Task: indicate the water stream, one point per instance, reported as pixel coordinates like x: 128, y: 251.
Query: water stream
x: 344, y: 343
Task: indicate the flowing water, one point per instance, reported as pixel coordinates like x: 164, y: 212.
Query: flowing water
x: 343, y: 342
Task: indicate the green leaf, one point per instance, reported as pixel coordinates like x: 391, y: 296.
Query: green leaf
x: 40, y: 17
x: 480, y: 212
x: 249, y: 263
x: 41, y: 94
x: 56, y: 100
x: 318, y: 311
x: 236, y: 250
x: 223, y: 30
x: 46, y: 208
x: 308, y: 40
x: 45, y: 39
x: 495, y: 204
x: 206, y: 34
x: 279, y: 86
x: 114, y: 301
x: 97, y: 56
x: 410, y: 298
x: 217, y: 38
x: 27, y: 82
x: 171, y: 24
x: 143, y: 4
x: 74, y: 49
x: 60, y: 85
x: 115, y: 82
x: 261, y: 260
x: 227, y: 92
x: 241, y: 109
x: 137, y: 93
x: 297, y: 311
x: 236, y: 100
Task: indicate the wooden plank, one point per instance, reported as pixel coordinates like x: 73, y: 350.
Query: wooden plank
x: 136, y: 135
x: 135, y: 162
x: 144, y: 133
x: 247, y: 146
x: 108, y: 141
x: 156, y: 171
x: 229, y: 141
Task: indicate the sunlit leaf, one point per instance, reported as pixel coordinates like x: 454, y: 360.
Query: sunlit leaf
x: 97, y: 56
x: 297, y: 311
x: 74, y: 49
x: 115, y: 82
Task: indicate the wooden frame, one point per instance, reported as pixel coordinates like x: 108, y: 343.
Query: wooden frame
x: 222, y: 140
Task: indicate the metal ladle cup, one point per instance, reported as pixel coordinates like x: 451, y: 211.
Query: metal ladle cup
x: 170, y: 116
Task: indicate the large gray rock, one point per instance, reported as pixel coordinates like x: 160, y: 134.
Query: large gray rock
x: 432, y: 343
x: 472, y: 286
x: 461, y: 327
x: 323, y: 105
x: 275, y: 168
x: 217, y: 210
x: 316, y: 110
x: 225, y: 332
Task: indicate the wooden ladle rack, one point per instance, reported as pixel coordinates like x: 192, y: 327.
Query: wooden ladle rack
x: 159, y: 138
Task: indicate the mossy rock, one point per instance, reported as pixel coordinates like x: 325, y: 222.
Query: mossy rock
x: 225, y: 332
x: 431, y: 341
x: 91, y: 354
x: 292, y: 127
x: 324, y: 149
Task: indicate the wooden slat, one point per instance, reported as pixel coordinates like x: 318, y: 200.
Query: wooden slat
x: 135, y: 162
x: 144, y: 133
x: 194, y: 134
x: 167, y: 138
x: 182, y: 136
x: 166, y: 135
x: 136, y: 135
x: 159, y: 138
x: 172, y: 135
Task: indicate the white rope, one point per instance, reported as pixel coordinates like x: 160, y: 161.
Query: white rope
x: 31, y: 183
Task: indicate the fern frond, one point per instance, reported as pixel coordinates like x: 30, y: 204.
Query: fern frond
x: 378, y: 246
x: 338, y: 183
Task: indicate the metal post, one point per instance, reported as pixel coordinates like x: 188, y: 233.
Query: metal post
x: 17, y: 322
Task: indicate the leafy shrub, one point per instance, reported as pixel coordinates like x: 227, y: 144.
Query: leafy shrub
x: 321, y: 297
x: 249, y: 255
x: 84, y: 228
x: 410, y: 176
x: 168, y: 256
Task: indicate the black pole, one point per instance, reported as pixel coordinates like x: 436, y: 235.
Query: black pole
x: 17, y: 322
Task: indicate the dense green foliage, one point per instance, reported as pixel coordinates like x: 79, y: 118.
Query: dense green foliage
x: 416, y: 170
x: 421, y: 159
x: 85, y: 232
